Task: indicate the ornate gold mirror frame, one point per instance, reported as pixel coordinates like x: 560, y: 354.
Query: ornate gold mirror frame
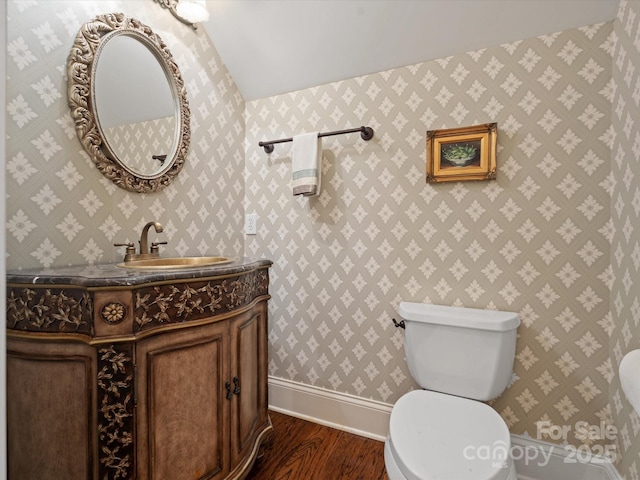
x: 81, y: 68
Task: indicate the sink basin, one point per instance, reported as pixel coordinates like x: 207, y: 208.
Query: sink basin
x: 174, y: 263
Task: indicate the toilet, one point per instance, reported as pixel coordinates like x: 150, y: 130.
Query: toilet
x: 461, y: 357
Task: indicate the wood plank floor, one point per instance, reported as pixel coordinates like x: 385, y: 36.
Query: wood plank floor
x: 301, y: 450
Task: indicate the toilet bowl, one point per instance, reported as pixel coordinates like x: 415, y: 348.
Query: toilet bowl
x: 437, y: 436
x: 460, y: 357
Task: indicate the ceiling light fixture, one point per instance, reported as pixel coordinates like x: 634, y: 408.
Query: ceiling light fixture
x: 193, y: 11
x: 190, y: 12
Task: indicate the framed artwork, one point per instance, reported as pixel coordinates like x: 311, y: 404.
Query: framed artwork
x: 459, y: 154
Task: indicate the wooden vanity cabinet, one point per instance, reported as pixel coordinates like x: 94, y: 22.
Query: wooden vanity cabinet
x: 201, y: 399
x: 156, y: 381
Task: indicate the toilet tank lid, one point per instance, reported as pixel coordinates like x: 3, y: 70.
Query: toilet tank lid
x: 459, y: 316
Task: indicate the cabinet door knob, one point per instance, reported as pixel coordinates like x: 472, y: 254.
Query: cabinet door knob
x: 227, y: 385
x: 236, y: 390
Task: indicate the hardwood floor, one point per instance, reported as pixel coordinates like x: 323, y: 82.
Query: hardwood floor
x: 301, y: 450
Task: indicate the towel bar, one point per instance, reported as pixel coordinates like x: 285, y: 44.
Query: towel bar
x: 365, y: 132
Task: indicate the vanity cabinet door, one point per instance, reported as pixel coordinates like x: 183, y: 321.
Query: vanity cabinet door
x: 182, y: 405
x: 51, y: 419
x: 249, y: 415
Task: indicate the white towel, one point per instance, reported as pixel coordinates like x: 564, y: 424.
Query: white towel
x: 307, y: 164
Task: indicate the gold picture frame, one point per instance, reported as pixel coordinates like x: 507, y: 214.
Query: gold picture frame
x: 461, y: 154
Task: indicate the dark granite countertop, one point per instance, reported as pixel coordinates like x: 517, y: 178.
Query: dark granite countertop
x: 110, y: 275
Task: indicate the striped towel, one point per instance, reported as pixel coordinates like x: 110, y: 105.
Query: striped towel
x: 307, y: 164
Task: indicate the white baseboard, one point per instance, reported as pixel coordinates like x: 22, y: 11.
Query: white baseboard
x: 538, y: 460
x: 370, y: 418
x: 364, y: 417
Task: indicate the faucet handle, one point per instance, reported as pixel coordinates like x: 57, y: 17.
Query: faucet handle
x: 130, y: 252
x: 154, y: 246
x: 130, y: 247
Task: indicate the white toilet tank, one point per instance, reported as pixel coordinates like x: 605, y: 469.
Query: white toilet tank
x: 459, y: 351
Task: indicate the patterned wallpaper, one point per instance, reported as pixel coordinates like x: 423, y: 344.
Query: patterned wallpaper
x: 625, y: 214
x: 536, y: 241
x: 545, y: 239
x: 136, y: 143
x: 60, y: 210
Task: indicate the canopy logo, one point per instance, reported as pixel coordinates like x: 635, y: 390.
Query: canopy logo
x: 499, y: 452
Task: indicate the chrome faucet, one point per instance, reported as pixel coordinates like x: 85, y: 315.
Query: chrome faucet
x: 145, y: 251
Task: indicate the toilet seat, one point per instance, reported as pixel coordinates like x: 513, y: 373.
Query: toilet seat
x: 438, y: 436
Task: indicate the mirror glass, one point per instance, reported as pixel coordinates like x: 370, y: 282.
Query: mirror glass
x: 135, y: 106
x: 129, y: 102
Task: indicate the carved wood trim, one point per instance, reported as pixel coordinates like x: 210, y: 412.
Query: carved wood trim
x: 49, y: 310
x: 113, y: 312
x: 71, y: 310
x: 177, y: 303
x: 116, y: 405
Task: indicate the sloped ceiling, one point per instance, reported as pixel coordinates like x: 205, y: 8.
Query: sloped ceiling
x: 277, y: 46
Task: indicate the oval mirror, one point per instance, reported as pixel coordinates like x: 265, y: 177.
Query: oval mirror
x: 129, y: 103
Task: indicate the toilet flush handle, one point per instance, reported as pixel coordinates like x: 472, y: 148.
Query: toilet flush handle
x: 398, y: 324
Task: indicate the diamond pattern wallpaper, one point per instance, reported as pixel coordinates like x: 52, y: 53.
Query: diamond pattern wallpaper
x: 60, y: 210
x: 554, y: 238
x: 625, y: 213
x: 133, y: 141
x: 535, y: 241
